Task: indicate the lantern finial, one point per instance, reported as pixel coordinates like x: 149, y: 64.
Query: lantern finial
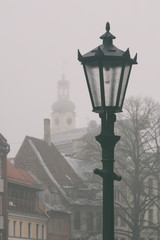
x: 107, y: 26
x: 107, y: 37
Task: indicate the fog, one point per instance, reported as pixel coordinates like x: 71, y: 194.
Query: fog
x: 39, y: 41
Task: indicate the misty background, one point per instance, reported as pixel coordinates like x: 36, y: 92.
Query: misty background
x: 38, y: 44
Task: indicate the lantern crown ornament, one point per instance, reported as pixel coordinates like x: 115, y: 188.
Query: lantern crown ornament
x: 107, y: 70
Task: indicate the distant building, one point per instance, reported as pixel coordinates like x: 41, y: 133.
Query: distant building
x: 4, y: 149
x: 26, y: 220
x: 48, y: 165
x: 68, y: 141
x: 73, y: 207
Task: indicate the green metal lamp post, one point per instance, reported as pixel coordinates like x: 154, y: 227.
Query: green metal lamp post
x: 107, y: 70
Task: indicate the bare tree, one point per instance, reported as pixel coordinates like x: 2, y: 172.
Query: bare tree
x: 137, y: 158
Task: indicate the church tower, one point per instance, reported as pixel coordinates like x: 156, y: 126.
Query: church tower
x: 63, y: 115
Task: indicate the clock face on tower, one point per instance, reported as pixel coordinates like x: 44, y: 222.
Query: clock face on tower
x: 69, y: 121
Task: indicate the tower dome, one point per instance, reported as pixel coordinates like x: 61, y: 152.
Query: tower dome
x: 63, y: 106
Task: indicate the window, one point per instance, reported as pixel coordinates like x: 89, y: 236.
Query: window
x: 43, y: 232
x: 14, y: 228
x: 21, y: 229
x: 65, y: 92
x: 77, y: 220
x: 56, y: 199
x: 29, y: 230
x: 60, y: 91
x: 89, y: 221
x: 56, y: 226
x: 69, y: 121
x: 47, y: 198
x: 59, y: 226
x: 50, y: 227
x: 9, y: 228
x: 37, y: 230
x: 57, y: 121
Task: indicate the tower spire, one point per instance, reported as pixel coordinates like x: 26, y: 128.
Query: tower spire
x: 63, y: 89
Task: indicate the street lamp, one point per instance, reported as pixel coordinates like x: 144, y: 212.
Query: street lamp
x: 107, y: 70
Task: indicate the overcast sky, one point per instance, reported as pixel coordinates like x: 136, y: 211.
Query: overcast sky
x: 39, y: 41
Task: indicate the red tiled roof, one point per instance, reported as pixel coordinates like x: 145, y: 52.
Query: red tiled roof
x: 19, y: 176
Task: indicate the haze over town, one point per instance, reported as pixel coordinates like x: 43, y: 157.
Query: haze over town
x: 39, y: 42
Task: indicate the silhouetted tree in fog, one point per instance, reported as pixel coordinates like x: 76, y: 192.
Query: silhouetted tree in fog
x: 137, y: 160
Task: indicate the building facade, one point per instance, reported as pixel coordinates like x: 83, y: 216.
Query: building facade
x: 26, y: 220
x: 4, y: 149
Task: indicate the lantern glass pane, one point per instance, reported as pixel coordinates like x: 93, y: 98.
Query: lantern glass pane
x: 112, y: 74
x: 124, y: 83
x: 94, y: 83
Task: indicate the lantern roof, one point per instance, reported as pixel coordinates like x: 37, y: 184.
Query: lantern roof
x: 107, y: 50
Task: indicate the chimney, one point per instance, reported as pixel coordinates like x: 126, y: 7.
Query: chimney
x: 47, y: 133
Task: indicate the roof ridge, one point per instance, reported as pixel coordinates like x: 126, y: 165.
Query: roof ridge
x: 47, y: 170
